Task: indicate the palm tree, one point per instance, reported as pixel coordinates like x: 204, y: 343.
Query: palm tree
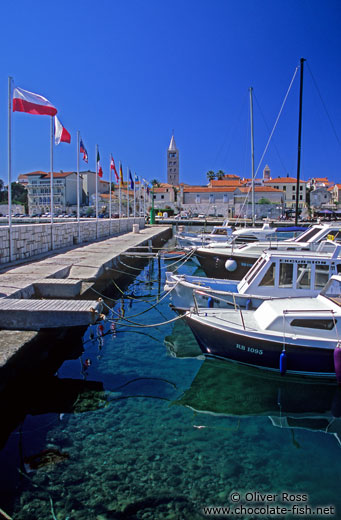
x: 220, y: 175
x: 210, y: 175
x: 155, y: 182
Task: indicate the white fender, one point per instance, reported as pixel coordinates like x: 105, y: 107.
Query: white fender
x: 230, y: 265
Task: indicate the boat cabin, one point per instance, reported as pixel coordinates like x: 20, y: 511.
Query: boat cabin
x: 284, y: 274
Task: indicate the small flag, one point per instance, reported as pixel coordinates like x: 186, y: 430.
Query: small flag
x: 113, y: 167
x: 121, y: 175
x: 146, y: 184
x: 131, y: 181
x: 82, y: 150
x: 25, y: 101
x: 136, y: 179
x: 99, y: 167
x: 61, y: 135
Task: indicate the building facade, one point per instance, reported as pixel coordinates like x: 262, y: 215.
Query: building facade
x: 288, y: 186
x: 64, y: 190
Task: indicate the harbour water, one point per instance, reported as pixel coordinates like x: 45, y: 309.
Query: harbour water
x: 148, y: 429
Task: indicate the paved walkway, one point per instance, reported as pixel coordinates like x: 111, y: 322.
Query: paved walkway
x: 85, y: 263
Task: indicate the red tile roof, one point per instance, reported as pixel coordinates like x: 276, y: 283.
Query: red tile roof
x: 260, y: 189
x: 284, y: 180
x: 202, y: 189
x: 226, y: 182
x: 47, y: 174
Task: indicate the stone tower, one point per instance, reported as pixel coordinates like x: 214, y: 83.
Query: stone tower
x: 266, y: 173
x: 173, y: 163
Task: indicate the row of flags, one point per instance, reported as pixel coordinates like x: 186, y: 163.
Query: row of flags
x: 25, y: 101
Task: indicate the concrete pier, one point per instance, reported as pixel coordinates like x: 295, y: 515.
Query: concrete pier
x: 62, y: 275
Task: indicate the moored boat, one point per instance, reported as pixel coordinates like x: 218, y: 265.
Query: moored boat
x: 276, y: 274
x: 294, y: 335
x: 233, y: 261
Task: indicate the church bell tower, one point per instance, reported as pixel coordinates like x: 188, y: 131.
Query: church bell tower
x: 172, y: 163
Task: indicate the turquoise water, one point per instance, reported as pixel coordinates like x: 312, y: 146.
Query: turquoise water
x: 165, y: 434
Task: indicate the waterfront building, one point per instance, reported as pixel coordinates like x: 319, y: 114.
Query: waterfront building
x: 320, y: 196
x: 336, y: 193
x: 64, y: 190
x: 173, y: 175
x: 288, y: 186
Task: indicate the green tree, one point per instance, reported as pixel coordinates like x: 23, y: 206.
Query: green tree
x: 155, y: 182
x: 220, y: 175
x: 210, y: 175
x: 263, y: 200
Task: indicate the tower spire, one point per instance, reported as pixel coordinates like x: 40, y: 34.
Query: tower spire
x: 173, y: 163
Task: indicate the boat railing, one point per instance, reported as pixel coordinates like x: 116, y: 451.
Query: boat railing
x: 219, y: 298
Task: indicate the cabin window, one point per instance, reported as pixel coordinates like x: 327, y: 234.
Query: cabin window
x: 321, y: 276
x: 303, y: 276
x: 323, y: 324
x: 286, y: 275
x: 269, y: 277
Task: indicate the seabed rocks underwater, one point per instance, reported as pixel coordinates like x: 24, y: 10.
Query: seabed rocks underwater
x: 135, y: 451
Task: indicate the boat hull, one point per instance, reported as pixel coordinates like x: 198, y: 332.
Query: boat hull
x: 262, y: 353
x: 214, y: 265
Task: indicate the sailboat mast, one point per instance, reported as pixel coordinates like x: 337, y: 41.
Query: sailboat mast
x: 299, y: 143
x: 252, y: 161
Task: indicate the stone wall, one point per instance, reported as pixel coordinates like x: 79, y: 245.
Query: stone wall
x: 30, y: 240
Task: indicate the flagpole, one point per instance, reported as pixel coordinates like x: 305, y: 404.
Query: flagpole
x: 134, y: 195
x: 78, y: 201
x: 96, y: 153
x: 119, y: 192
x: 51, y: 183
x: 9, y: 194
x: 127, y: 192
x: 110, y: 181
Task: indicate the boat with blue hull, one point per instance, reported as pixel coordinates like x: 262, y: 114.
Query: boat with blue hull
x: 287, y: 335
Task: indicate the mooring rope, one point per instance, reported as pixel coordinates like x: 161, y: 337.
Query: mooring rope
x: 142, y: 312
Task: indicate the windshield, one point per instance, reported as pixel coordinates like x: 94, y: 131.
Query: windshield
x: 307, y: 235
x: 333, y: 290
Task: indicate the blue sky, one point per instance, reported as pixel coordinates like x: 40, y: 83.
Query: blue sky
x: 125, y: 73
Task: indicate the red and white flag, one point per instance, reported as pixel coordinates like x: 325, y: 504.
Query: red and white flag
x: 25, y: 101
x: 113, y: 167
x: 99, y: 167
x: 61, y: 135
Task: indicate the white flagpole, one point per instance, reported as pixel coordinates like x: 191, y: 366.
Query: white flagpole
x: 134, y: 195
x: 110, y: 182
x: 119, y: 193
x: 127, y: 192
x: 144, y: 197
x: 10, y: 168
x: 51, y: 184
x: 96, y: 153
x: 78, y: 201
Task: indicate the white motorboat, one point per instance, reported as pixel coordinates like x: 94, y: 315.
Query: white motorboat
x: 294, y: 335
x: 219, y: 234
x: 276, y: 274
x: 233, y: 261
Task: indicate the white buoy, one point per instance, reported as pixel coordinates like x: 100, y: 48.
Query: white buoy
x: 230, y: 265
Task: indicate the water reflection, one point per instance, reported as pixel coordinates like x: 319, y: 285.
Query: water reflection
x: 226, y: 389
